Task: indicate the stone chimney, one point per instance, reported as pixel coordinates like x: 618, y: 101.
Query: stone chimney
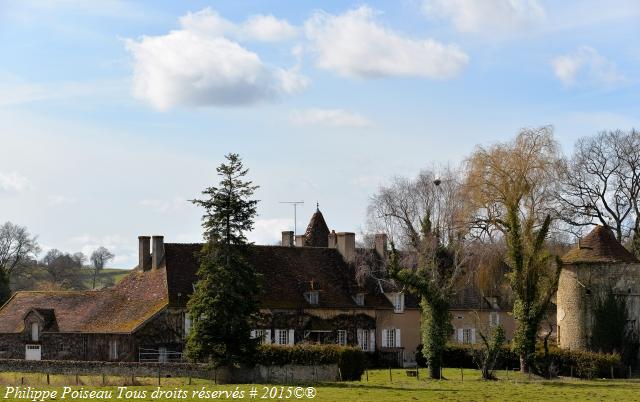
x: 380, y: 241
x: 299, y: 240
x: 333, y: 239
x: 144, y: 253
x: 346, y: 245
x: 287, y: 238
x: 157, y: 254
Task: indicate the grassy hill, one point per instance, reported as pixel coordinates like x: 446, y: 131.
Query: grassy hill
x: 37, y: 278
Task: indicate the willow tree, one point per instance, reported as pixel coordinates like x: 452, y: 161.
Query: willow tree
x: 422, y: 216
x: 511, y: 187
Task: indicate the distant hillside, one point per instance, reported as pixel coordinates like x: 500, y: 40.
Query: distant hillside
x: 37, y: 278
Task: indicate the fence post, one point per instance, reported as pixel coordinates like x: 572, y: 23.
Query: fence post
x: 571, y: 373
x: 77, y: 379
x: 629, y: 371
x: 48, y: 379
x: 461, y: 373
x: 390, y: 375
x: 366, y: 370
x: 103, y: 381
x: 612, y: 372
x: 158, y: 375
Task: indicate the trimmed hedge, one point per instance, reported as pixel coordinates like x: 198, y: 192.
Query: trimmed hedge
x: 350, y: 360
x: 582, y: 364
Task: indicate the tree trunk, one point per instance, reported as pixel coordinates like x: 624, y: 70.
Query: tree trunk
x: 435, y: 371
x: 524, y: 364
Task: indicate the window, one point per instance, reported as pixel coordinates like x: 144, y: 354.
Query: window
x: 113, y: 349
x: 313, y: 297
x: 284, y: 337
x: 390, y: 338
x: 342, y: 337
x: 398, y: 302
x: 466, y: 335
x: 187, y: 324
x: 35, y: 336
x: 363, y: 339
x: 494, y: 319
x: 360, y: 299
x: 258, y: 334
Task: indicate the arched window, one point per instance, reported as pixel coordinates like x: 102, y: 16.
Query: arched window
x: 35, y: 332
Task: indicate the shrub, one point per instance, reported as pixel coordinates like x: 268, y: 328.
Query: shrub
x: 350, y: 360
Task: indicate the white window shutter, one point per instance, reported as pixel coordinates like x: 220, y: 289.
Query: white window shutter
x: 359, y: 336
x: 372, y: 339
x: 402, y: 301
x: 253, y: 334
x: 385, y: 339
x: 460, y: 335
x: 497, y: 318
x: 473, y: 335
x: 291, y: 338
x: 277, y: 337
x: 398, y: 342
x: 267, y: 336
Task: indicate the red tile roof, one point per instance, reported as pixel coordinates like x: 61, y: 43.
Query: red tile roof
x: 121, y: 309
x: 599, y: 246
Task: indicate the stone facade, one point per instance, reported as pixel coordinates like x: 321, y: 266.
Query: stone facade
x: 580, y: 285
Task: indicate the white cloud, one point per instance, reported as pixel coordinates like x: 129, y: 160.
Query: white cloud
x: 487, y: 16
x: 269, y: 231
x: 354, y: 44
x: 197, y: 66
x: 267, y: 28
x: 329, y: 118
x: 585, y: 66
x: 13, y: 182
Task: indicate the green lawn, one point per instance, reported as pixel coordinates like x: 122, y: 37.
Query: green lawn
x: 378, y: 388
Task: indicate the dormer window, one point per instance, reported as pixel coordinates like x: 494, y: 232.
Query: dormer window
x: 35, y: 332
x: 360, y: 299
x: 313, y: 297
x: 398, y: 302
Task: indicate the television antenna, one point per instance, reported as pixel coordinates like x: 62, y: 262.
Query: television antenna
x: 295, y: 213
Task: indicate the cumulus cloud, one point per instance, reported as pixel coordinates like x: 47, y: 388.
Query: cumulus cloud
x: 13, y: 182
x: 487, y: 16
x: 198, y: 66
x: 267, y: 28
x: 269, y: 231
x: 585, y: 66
x: 329, y: 118
x: 355, y: 44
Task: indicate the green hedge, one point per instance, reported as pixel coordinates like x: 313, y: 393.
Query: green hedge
x: 581, y: 364
x: 350, y: 360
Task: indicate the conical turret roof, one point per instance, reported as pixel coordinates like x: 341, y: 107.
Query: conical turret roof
x: 317, y: 234
x: 599, y: 246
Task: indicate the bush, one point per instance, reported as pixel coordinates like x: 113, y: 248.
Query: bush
x: 350, y: 360
x: 582, y: 364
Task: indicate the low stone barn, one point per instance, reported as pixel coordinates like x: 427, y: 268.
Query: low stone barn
x: 311, y: 295
x: 597, y: 264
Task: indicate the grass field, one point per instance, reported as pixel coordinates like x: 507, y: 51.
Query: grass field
x: 378, y: 388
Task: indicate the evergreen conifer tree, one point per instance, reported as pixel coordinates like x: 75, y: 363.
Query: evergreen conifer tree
x: 225, y: 300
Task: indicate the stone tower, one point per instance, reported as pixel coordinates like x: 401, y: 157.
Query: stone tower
x: 597, y: 264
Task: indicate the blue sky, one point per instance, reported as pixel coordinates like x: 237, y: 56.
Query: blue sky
x: 114, y: 113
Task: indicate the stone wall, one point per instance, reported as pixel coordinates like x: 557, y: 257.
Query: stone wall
x: 287, y: 374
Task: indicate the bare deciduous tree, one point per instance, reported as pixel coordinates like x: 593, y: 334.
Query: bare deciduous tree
x: 99, y: 258
x: 601, y: 184
x: 65, y: 269
x: 17, y: 249
x: 423, y: 215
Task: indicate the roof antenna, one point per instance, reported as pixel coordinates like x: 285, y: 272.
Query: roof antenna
x: 295, y: 213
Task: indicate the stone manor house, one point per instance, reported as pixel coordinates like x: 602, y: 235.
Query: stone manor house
x: 312, y: 294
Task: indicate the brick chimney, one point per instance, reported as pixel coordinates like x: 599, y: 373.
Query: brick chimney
x: 287, y: 238
x: 346, y: 245
x: 157, y: 254
x: 332, y: 239
x: 380, y: 241
x: 144, y: 253
x: 299, y: 240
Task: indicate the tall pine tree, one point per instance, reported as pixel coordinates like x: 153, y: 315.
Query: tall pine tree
x: 225, y: 300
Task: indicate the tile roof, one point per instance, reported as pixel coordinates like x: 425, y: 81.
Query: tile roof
x: 317, y: 234
x: 287, y: 273
x: 599, y: 246
x: 121, y: 309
